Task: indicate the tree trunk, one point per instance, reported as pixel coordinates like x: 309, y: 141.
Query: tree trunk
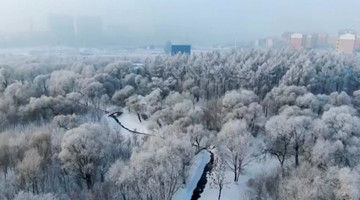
x: 296, y: 155
x: 5, y: 173
x: 237, y: 168
x: 123, y: 195
x: 183, y: 174
x: 220, y: 189
x: 33, y: 188
x: 239, y: 165
x: 235, y: 173
x: 36, y: 187
x: 88, y: 181
x: 102, y: 177
x: 139, y: 117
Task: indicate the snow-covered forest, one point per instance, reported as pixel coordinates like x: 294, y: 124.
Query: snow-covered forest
x: 265, y: 124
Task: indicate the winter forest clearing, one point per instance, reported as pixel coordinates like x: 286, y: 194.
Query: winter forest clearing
x: 263, y: 124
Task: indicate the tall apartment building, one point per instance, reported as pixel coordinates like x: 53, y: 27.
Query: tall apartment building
x: 346, y: 43
x: 259, y: 42
x: 297, y: 41
x: 357, y: 42
x: 309, y: 41
x: 267, y: 42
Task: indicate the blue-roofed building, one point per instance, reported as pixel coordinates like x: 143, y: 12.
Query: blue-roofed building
x: 182, y: 49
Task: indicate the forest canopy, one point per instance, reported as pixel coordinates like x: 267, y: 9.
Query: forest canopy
x: 299, y: 108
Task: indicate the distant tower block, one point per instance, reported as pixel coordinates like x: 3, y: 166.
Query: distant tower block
x: 357, y: 42
x: 296, y: 41
x: 346, y: 43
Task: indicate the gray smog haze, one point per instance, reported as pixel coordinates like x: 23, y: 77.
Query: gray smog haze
x: 203, y: 22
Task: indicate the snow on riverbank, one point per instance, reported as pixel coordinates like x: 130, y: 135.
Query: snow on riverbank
x: 238, y: 191
x: 197, y: 168
x: 130, y: 121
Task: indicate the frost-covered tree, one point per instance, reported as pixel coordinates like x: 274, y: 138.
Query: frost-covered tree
x: 62, y: 82
x: 343, y: 126
x: 288, y: 135
x: 157, y: 175
x: 300, y: 128
x: 302, y: 106
x: 120, y: 175
x: 9, y: 185
x: 308, y: 182
x: 217, y: 176
x: 40, y: 83
x: 29, y: 196
x: 28, y: 171
x: 278, y: 140
x: 66, y: 121
x: 235, y: 143
x: 4, y: 154
x: 120, y: 96
x: 348, y: 184
x: 83, y: 150
x: 280, y: 96
x: 200, y: 137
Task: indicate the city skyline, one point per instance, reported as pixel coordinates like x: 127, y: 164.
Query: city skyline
x: 188, y: 21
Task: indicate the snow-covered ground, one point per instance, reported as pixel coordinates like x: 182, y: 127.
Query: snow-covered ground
x: 197, y: 168
x: 129, y: 120
x: 238, y: 191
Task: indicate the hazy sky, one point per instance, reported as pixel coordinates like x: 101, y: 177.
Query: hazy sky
x: 192, y: 21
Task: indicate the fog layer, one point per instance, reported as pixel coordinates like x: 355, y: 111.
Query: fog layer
x: 198, y: 22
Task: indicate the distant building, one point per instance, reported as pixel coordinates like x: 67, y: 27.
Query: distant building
x: 310, y: 41
x: 267, y: 42
x: 306, y: 41
x: 260, y: 42
x: 342, y: 32
x: 297, y: 41
x: 167, y: 47
x: 357, y: 42
x: 315, y: 41
x: 346, y: 43
x: 182, y: 49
